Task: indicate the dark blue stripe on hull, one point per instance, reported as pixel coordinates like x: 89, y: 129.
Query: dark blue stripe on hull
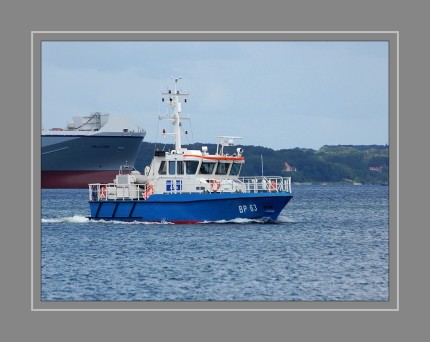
x: 193, y: 208
x: 89, y: 153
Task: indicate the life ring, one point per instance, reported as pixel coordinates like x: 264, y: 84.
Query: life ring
x: 215, y: 185
x: 103, y: 192
x: 149, y: 190
x: 272, y: 186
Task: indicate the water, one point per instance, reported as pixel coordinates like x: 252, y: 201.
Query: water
x: 331, y: 244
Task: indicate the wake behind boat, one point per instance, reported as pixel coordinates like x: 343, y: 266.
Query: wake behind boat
x: 189, y: 186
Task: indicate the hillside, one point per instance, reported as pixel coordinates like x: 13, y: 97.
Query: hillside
x: 366, y: 164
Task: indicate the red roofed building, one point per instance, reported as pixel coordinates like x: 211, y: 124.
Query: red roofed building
x: 289, y: 168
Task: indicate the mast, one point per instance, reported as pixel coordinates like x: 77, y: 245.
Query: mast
x: 261, y: 156
x: 177, y: 119
x: 175, y: 104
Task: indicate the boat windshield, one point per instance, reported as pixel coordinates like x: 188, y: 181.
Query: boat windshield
x: 191, y: 166
x: 222, y: 168
x: 207, y: 168
x: 180, y: 168
x: 172, y: 167
x: 163, y: 169
x: 235, y: 169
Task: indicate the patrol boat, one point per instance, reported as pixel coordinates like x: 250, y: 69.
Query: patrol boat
x: 189, y: 186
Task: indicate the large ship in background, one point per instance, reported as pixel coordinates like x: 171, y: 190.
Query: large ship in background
x: 91, y: 148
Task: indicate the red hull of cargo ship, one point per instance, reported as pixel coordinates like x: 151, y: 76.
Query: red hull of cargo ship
x: 75, y: 179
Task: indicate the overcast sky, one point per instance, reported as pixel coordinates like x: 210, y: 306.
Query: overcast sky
x: 273, y: 94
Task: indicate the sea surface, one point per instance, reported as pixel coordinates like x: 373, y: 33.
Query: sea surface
x: 330, y: 244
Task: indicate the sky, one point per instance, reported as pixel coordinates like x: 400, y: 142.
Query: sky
x: 280, y: 95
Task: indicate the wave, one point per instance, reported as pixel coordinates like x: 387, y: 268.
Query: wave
x: 284, y: 219
x: 84, y: 219
x: 129, y: 222
x: 239, y: 221
x: 281, y: 219
x: 73, y: 219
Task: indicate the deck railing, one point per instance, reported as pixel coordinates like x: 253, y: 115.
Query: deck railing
x: 267, y: 184
x: 104, y: 192
x: 140, y: 192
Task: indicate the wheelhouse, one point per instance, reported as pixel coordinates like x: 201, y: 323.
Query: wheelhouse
x: 170, y: 164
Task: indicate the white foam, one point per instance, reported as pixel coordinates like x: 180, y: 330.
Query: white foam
x: 284, y: 219
x: 132, y: 222
x: 83, y: 219
x: 53, y: 220
x: 73, y: 219
x: 238, y: 220
x: 125, y: 222
x: 76, y: 219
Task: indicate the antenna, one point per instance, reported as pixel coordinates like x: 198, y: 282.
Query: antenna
x: 175, y: 104
x: 225, y: 141
x: 262, y: 173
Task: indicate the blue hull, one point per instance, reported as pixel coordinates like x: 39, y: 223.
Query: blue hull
x: 193, y: 208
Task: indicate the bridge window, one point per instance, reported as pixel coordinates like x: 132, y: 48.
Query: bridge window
x: 235, y: 169
x: 180, y: 168
x: 222, y: 168
x: 172, y: 167
x: 207, y: 168
x: 191, y: 166
x: 162, y: 170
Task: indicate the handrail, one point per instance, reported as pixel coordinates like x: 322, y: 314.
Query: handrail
x: 140, y: 192
x: 267, y: 184
x: 103, y: 192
